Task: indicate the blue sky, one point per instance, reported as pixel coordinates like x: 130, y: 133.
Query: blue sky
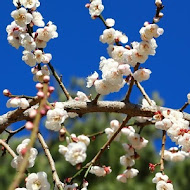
x: 77, y: 50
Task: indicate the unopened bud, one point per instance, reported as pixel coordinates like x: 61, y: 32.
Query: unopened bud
x: 32, y: 113
x: 39, y: 86
x: 87, y: 5
x: 46, y: 79
x: 51, y: 89
x: 40, y: 94
x: 158, y: 3
x: 6, y: 92
x: 29, y: 125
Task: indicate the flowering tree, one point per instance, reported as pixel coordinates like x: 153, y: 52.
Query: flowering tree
x: 124, y: 67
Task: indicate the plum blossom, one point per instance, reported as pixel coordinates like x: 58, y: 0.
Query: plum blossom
x: 48, y: 32
x: 74, y: 153
x: 55, y: 118
x: 30, y: 4
x: 17, y: 102
x: 164, y: 185
x: 37, y: 181
x: 22, y: 17
x: 100, y: 171
x: 149, y: 31
x: 40, y: 73
x: 114, y: 125
x: 29, y: 58
x: 129, y: 173
x: 21, y: 150
x: 95, y: 8
x: 81, y: 97
x: 28, y: 42
x: 91, y: 79
x: 174, y: 155
x: 37, y: 19
x: 142, y: 74
x: 110, y: 22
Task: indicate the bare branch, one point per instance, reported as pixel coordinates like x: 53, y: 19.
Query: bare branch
x: 8, y: 148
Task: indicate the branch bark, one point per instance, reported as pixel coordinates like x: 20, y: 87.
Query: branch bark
x: 82, y: 108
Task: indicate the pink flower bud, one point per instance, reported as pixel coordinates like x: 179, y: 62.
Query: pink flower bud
x: 87, y: 5
x: 43, y: 112
x: 6, y: 92
x: 39, y: 86
x: 46, y: 79
x: 29, y: 125
x: 51, y: 89
x: 40, y: 94
x: 32, y: 113
x: 23, y: 151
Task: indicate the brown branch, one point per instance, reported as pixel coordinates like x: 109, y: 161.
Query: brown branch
x: 87, y: 107
x: 145, y: 95
x: 131, y: 84
x: 107, y: 144
x: 8, y: 148
x: 51, y: 162
x: 16, y: 115
x: 60, y: 82
x: 184, y: 106
x: 162, y: 152
x: 11, y: 134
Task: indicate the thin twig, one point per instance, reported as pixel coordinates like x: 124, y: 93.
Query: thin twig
x: 145, y: 95
x: 162, y: 152
x: 95, y: 99
x: 107, y: 144
x: 11, y: 134
x: 59, y: 80
x: 51, y: 162
x: 33, y: 137
x: 184, y: 106
x: 21, y: 96
x: 8, y: 148
x: 131, y: 84
x: 16, y: 115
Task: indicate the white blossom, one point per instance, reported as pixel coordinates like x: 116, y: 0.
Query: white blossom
x: 21, y: 150
x: 37, y: 181
x: 110, y: 22
x: 30, y: 4
x: 164, y: 185
x: 98, y: 171
x: 22, y: 17
x: 37, y: 19
x: 55, y: 118
x: 29, y: 58
x: 82, y: 97
x: 142, y: 74
x: 76, y: 152
x: 96, y: 8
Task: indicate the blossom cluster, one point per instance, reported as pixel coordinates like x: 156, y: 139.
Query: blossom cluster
x: 136, y: 142
x: 75, y: 151
x: 17, y: 102
x: 21, y: 150
x: 20, y: 33
x: 176, y: 126
x: 123, y: 57
x: 162, y: 182
x: 174, y: 154
x: 36, y: 181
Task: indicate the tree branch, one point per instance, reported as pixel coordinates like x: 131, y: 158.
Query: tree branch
x: 51, y: 162
x: 88, y: 107
x: 8, y: 148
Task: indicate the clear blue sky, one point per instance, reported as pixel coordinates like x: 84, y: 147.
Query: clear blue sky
x: 77, y: 50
